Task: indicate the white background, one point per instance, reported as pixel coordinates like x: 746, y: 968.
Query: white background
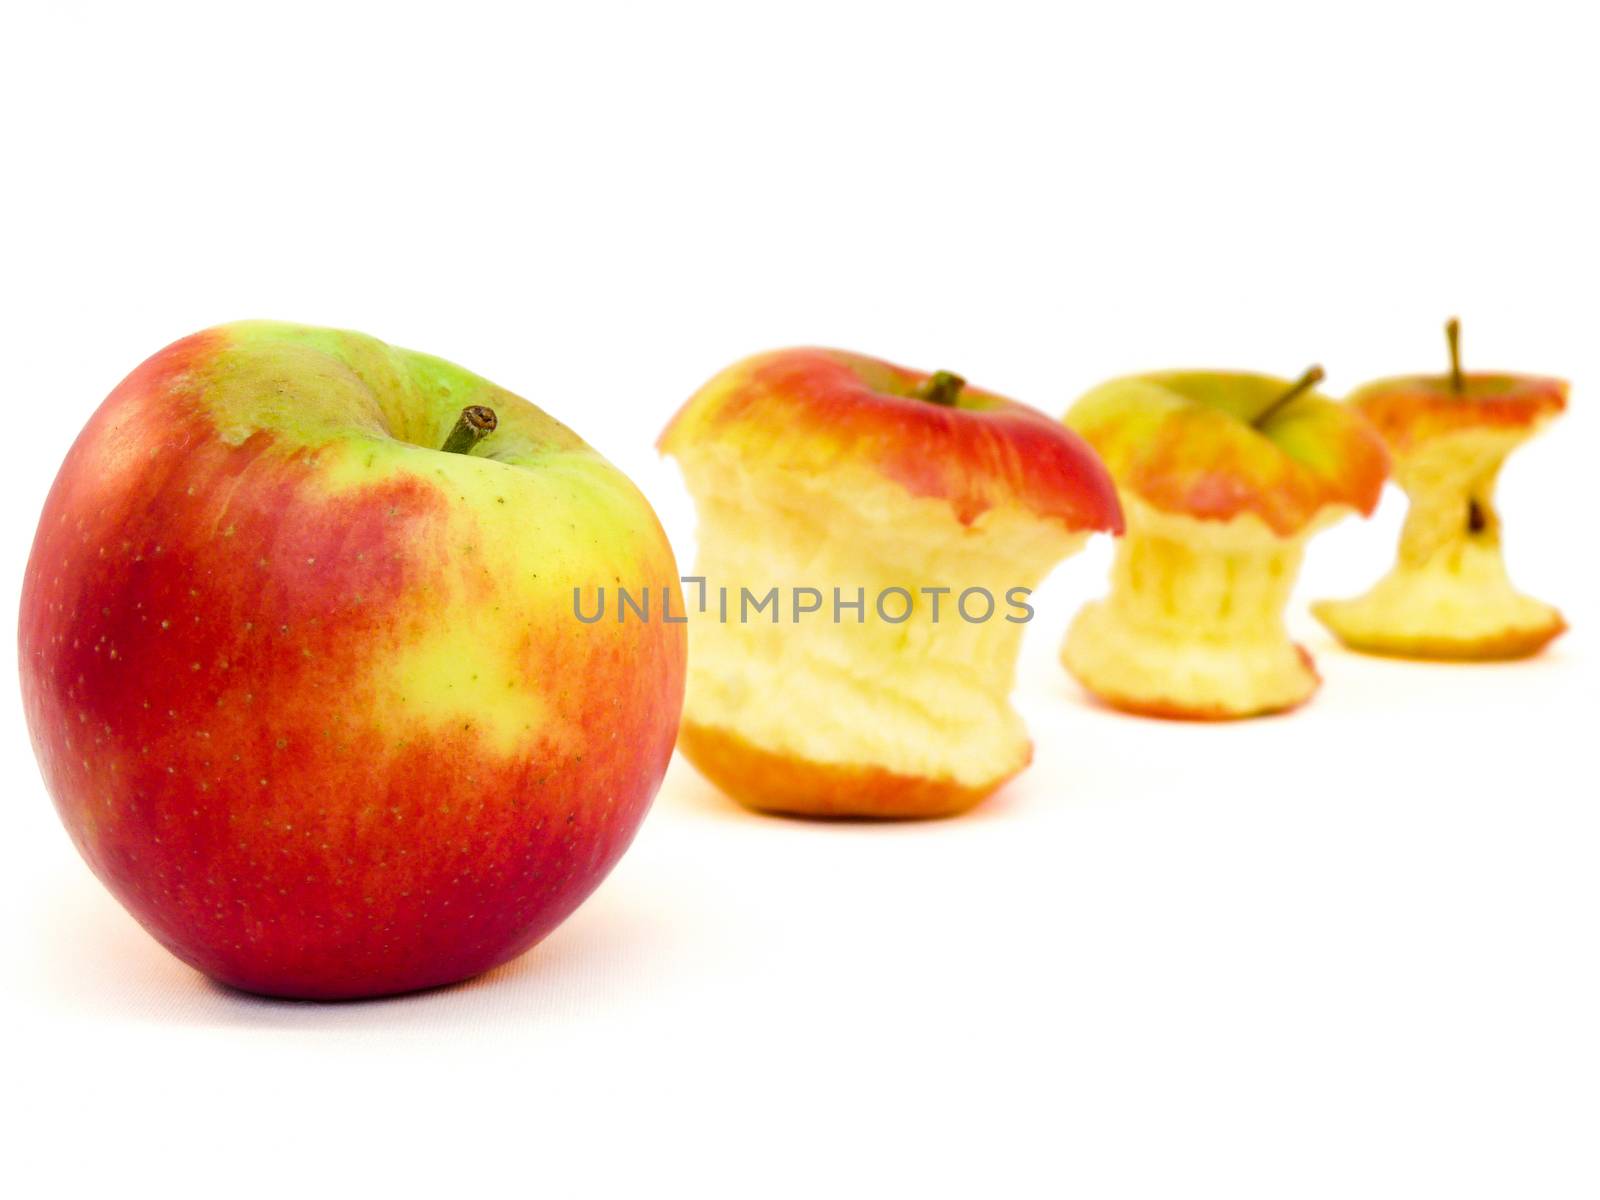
x: 1347, y: 953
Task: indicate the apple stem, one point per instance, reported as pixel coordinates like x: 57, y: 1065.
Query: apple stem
x: 1452, y: 333
x: 476, y: 422
x: 941, y: 388
x: 1313, y: 375
x: 1477, y: 519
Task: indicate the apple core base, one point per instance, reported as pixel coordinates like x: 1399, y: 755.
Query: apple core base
x: 1469, y: 614
x: 777, y: 783
x: 1156, y: 675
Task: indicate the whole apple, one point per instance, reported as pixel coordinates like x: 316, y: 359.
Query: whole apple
x: 308, y: 691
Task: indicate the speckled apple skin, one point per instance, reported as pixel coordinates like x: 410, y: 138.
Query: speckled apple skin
x: 309, y: 697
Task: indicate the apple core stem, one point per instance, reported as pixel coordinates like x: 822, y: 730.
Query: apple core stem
x: 942, y: 388
x: 476, y: 422
x: 1313, y: 375
x: 1452, y: 333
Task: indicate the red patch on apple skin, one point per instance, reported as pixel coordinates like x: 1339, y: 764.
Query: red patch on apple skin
x: 1217, y: 483
x: 813, y: 409
x: 210, y: 729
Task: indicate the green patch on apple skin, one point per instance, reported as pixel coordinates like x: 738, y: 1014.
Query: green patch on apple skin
x: 364, y: 410
x: 1316, y: 436
x: 1131, y: 411
x: 1240, y: 394
x: 312, y: 384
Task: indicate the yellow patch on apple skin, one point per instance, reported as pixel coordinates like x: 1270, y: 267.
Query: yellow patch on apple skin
x: 493, y: 565
x: 461, y: 675
x: 1448, y: 595
x: 506, y: 589
x: 1193, y: 625
x: 873, y: 698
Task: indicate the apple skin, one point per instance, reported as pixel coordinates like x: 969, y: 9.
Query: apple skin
x: 811, y: 410
x: 309, y: 695
x: 1184, y: 442
x: 1410, y: 411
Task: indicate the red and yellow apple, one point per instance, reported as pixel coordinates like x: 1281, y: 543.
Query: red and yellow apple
x: 823, y: 470
x: 1449, y: 596
x: 1224, y: 477
x: 309, y: 693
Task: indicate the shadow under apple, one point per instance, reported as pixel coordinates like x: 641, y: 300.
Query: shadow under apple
x: 93, y: 958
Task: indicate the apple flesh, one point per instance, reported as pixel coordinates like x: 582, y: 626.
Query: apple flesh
x: 834, y: 471
x: 1448, y: 595
x: 1193, y: 625
x: 309, y: 694
x: 1224, y: 478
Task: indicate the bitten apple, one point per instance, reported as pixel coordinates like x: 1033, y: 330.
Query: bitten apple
x: 1224, y: 476
x: 1449, y: 596
x: 308, y: 692
x: 818, y: 469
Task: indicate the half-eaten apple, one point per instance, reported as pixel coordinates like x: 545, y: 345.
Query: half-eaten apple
x: 1224, y: 477
x: 885, y: 504
x: 1448, y: 596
